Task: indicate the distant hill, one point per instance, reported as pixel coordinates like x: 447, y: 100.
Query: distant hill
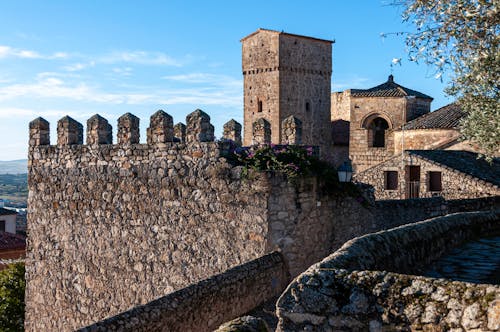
x: 14, y: 166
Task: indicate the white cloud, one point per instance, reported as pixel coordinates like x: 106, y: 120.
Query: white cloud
x: 10, y: 52
x: 53, y: 87
x: 56, y: 87
x: 140, y: 57
x: 79, y: 66
x: 29, y: 113
x: 126, y: 71
x: 205, y: 78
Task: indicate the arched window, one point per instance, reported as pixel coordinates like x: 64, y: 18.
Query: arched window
x: 376, y: 132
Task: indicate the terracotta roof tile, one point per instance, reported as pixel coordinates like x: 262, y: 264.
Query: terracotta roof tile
x: 388, y: 89
x: 465, y: 162
x: 446, y: 117
x: 11, y: 241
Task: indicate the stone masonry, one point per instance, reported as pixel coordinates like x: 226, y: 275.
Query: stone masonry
x: 99, y: 131
x: 115, y: 226
x: 232, y: 131
x: 284, y: 75
x: 344, y: 293
x: 291, y: 131
x: 128, y: 129
x: 261, y: 132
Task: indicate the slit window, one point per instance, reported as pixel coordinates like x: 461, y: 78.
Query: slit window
x: 435, y: 183
x: 390, y: 180
x: 259, y: 106
x: 308, y: 107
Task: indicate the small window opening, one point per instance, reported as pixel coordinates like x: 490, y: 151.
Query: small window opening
x: 377, y: 132
x: 390, y: 180
x: 259, y: 106
x: 2, y: 225
x: 435, y: 183
x: 308, y: 107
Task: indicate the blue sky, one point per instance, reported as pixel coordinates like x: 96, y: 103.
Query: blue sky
x: 80, y: 58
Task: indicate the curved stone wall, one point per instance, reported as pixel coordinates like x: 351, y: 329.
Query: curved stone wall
x: 205, y: 305
x: 333, y: 296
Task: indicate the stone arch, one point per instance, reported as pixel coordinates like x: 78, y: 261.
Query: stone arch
x: 377, y: 125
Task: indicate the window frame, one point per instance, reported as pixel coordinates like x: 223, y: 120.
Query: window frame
x: 394, y: 182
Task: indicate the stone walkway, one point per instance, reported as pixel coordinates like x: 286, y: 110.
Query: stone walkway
x: 476, y: 261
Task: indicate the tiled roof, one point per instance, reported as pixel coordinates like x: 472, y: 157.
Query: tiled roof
x: 446, y: 117
x: 465, y: 162
x: 9, y: 241
x: 6, y: 212
x: 388, y: 89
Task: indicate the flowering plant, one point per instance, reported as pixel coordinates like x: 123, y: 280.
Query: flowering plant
x: 291, y: 160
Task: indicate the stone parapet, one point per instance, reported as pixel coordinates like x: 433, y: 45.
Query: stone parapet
x: 198, y: 127
x: 180, y: 132
x: 39, y: 132
x: 69, y: 132
x: 128, y: 129
x: 335, y: 295
x: 261, y: 132
x: 291, y: 131
x: 99, y: 131
x: 204, y: 305
x: 232, y: 131
x: 161, y: 128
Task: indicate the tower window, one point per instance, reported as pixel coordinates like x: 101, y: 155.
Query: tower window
x: 308, y: 107
x: 259, y: 106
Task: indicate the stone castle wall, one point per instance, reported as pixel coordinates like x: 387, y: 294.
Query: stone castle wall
x: 349, y: 291
x: 207, y: 304
x: 114, y: 226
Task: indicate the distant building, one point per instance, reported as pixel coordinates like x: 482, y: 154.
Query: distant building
x: 12, y: 247
x: 7, y: 220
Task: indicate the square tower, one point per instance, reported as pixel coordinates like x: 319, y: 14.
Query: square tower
x: 287, y: 75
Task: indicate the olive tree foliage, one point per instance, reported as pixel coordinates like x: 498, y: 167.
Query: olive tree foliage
x: 12, y: 287
x: 462, y: 35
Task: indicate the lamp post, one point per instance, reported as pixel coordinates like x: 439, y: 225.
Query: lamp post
x: 345, y: 172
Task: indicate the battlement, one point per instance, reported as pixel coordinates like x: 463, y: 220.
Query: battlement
x: 160, y: 133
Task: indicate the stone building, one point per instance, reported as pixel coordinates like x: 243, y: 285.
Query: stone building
x: 7, y: 220
x: 373, y: 116
x: 427, y: 173
x: 432, y: 131
x: 286, y: 75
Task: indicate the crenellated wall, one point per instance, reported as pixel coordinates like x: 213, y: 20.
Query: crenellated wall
x: 113, y: 226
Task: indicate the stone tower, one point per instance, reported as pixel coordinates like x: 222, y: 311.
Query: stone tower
x: 287, y: 75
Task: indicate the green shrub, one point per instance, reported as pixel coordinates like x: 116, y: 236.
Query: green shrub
x: 12, y: 286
